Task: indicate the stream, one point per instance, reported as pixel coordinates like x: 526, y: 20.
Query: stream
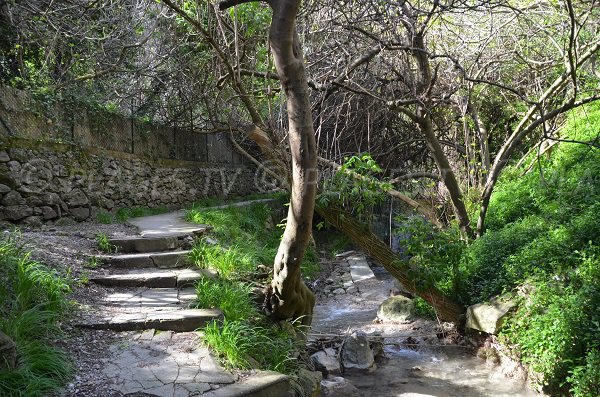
x: 417, y: 361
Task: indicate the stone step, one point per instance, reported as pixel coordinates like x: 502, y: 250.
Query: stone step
x: 176, y: 320
x: 134, y: 300
x: 262, y: 384
x: 144, y: 244
x: 162, y: 260
x: 152, y: 278
x: 171, y: 224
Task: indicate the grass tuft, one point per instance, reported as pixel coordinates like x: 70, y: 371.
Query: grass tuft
x: 247, y: 237
x: 32, y: 301
x: 233, y: 298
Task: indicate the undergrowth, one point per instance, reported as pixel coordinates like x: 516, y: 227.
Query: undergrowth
x: 244, y: 241
x: 32, y: 301
x: 543, y: 246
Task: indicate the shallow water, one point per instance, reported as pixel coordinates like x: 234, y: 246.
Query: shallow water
x: 441, y: 372
x: 426, y: 368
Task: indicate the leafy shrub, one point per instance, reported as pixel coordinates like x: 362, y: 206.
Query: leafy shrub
x: 431, y: 255
x: 544, y: 234
x: 559, y: 321
x: 585, y: 379
x: 355, y: 186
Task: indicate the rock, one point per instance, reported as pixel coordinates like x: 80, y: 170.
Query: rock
x: 309, y: 382
x: 49, y: 213
x: 376, y: 344
x: 337, y: 386
x: 76, y: 198
x: 339, y: 291
x: 33, y: 221
x: 326, y: 363
x: 4, y: 189
x: 351, y: 290
x: 17, y: 212
x: 8, y: 352
x: 64, y: 221
x: 396, y: 309
x: 80, y: 214
x: 356, y: 352
x: 12, y: 198
x: 4, y: 158
x: 489, y: 317
x: 51, y: 199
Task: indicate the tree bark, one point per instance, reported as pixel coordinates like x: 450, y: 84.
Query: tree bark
x: 445, y: 307
x: 289, y: 297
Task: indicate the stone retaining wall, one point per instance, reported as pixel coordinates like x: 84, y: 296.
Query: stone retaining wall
x: 41, y: 182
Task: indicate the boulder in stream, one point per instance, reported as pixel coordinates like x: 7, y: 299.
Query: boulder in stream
x: 399, y: 309
x: 327, y: 362
x: 356, y: 352
x: 488, y: 317
x: 336, y: 386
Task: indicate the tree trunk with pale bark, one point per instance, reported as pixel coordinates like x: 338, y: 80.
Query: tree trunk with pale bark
x: 288, y: 297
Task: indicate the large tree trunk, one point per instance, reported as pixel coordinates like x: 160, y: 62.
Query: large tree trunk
x: 290, y: 298
x: 446, y: 308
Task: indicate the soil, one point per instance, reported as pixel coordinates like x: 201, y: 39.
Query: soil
x: 69, y: 250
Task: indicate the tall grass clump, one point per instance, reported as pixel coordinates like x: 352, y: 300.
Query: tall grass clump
x: 246, y: 345
x: 233, y: 298
x: 247, y: 237
x: 242, y: 239
x: 32, y: 300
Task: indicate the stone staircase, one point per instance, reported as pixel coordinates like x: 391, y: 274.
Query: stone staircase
x: 152, y: 286
x: 150, y: 282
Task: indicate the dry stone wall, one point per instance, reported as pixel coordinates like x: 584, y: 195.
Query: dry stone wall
x: 44, y: 182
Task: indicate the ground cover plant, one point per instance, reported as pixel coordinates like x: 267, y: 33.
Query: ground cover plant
x: 543, y: 247
x: 241, y: 247
x: 32, y: 301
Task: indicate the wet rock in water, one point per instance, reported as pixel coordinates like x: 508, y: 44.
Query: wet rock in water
x: 309, y: 382
x: 356, y: 353
x: 399, y: 309
x: 8, y: 352
x: 488, y: 317
x: 336, y: 386
x: 376, y: 344
x: 327, y: 363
